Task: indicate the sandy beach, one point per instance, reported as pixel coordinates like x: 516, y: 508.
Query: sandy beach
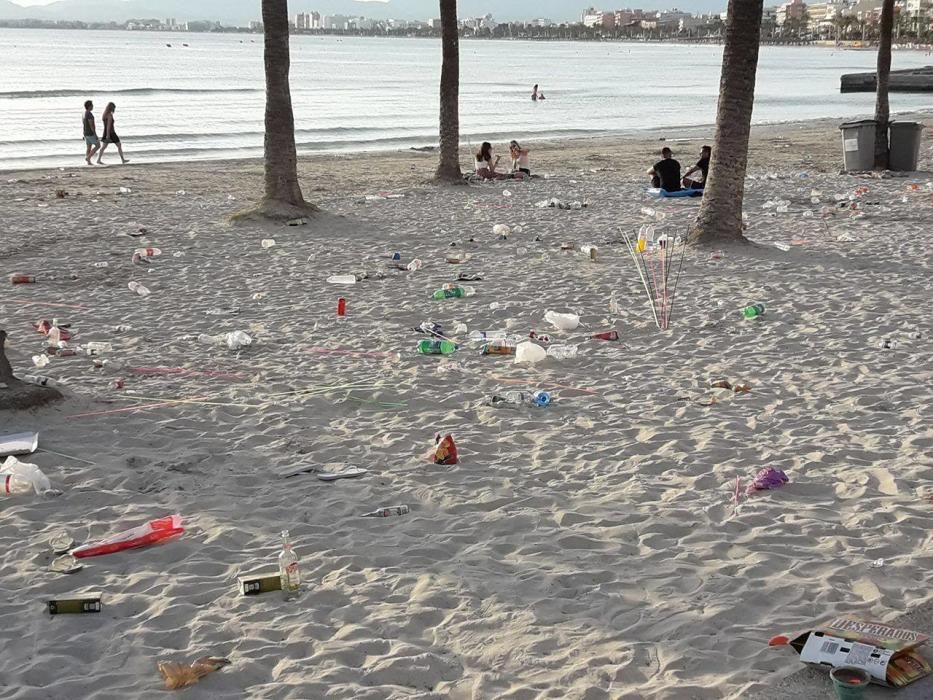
x: 586, y: 550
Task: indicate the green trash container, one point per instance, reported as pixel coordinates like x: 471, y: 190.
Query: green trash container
x: 858, y: 144
x: 905, y: 146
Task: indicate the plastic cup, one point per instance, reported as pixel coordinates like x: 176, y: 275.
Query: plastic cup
x: 850, y: 682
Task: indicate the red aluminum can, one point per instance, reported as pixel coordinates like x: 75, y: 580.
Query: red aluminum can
x: 341, y: 307
x: 607, y: 335
x: 22, y: 279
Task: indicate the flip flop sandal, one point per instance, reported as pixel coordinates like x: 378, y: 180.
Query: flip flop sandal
x: 61, y: 543
x: 65, y: 564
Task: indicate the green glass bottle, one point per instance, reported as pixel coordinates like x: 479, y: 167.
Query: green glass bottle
x: 436, y: 347
x: 753, y: 311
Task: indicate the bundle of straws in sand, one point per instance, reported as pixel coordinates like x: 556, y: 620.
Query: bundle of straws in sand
x: 655, y: 257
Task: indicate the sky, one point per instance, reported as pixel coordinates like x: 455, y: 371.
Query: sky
x: 686, y: 5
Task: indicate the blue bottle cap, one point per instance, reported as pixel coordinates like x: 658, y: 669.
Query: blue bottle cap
x: 397, y: 256
x: 541, y: 398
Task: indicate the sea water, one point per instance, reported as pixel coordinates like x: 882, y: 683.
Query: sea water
x: 205, y: 99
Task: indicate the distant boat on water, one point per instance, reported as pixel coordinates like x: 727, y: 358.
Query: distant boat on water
x: 914, y: 80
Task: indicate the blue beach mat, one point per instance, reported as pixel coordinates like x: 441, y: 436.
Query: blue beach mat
x: 664, y: 194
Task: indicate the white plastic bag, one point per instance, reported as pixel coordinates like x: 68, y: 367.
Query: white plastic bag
x: 564, y: 322
x: 529, y: 353
x: 27, y: 472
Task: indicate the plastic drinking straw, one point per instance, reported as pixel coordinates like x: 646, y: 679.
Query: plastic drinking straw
x: 638, y: 267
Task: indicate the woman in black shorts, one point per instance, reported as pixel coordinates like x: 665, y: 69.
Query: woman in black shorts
x: 110, y: 134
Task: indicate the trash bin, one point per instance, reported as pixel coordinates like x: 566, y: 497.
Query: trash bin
x: 858, y: 144
x: 905, y: 146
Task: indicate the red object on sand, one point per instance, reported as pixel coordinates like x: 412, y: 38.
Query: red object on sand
x: 341, y: 307
x: 446, y: 450
x: 607, y: 335
x: 152, y: 532
x: 22, y: 279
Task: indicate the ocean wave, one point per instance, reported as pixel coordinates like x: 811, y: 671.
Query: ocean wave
x: 33, y: 94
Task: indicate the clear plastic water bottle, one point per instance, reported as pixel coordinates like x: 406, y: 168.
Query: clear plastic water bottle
x: 517, y: 399
x: 342, y: 279
x: 562, y: 352
x: 436, y: 347
x: 289, y: 571
x: 453, y: 293
x: 97, y: 348
x: 102, y: 264
x: 541, y: 399
x: 753, y: 310
x: 483, y: 336
x: 387, y: 512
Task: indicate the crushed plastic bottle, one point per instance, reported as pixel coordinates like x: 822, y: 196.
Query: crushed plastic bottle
x: 102, y: 264
x: 517, y: 399
x: 237, y: 339
x: 139, y: 289
x: 562, y: 352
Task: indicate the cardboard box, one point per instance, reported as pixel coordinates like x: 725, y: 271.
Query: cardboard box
x: 889, y: 654
x: 257, y: 582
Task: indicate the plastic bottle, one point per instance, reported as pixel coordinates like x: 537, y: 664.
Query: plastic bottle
x: 102, y: 264
x: 147, y: 252
x: 17, y: 278
x: 517, y: 399
x: 453, y: 293
x: 237, y: 340
x: 590, y: 251
x: 40, y: 361
x: 37, y: 379
x: 477, y: 336
x: 436, y: 347
x: 387, y: 512
x: 140, y: 289
x: 562, y: 352
x: 289, y: 571
x: 97, y: 348
x: 267, y: 243
x: 753, y: 310
x: 498, y: 347
x: 341, y: 306
x: 342, y: 279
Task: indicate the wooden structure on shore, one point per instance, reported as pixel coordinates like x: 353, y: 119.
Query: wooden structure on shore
x: 915, y: 80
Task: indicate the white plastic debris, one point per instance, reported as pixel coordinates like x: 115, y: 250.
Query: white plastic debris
x: 501, y: 230
x: 529, y: 353
x: 564, y: 322
x: 237, y: 340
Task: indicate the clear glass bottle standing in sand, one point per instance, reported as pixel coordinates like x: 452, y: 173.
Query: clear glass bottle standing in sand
x: 288, y: 569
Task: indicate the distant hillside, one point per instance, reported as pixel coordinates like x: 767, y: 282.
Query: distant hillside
x: 239, y: 12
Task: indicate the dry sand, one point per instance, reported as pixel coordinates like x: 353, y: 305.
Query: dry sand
x: 587, y: 550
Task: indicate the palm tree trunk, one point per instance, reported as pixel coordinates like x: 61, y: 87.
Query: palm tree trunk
x: 283, y: 197
x: 448, y: 170
x: 720, y: 217
x: 882, y: 105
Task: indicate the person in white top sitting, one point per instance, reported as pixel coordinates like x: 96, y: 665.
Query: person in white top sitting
x: 520, y: 165
x: 486, y: 166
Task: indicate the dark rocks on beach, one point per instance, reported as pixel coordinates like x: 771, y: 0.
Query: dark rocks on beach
x: 19, y: 395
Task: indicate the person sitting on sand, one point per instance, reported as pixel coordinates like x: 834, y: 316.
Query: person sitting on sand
x: 666, y: 172
x: 520, y: 165
x: 486, y: 166
x: 701, y: 167
x: 534, y: 94
x: 110, y: 134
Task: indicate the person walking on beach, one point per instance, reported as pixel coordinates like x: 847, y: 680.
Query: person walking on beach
x: 90, y: 132
x: 110, y: 134
x: 666, y: 172
x: 701, y: 167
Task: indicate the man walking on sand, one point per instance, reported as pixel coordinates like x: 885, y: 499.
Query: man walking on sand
x: 90, y: 132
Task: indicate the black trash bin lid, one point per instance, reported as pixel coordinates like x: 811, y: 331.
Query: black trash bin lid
x: 861, y: 122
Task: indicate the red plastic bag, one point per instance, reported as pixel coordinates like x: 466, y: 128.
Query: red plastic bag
x: 152, y: 532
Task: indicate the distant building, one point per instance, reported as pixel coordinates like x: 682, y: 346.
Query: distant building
x: 793, y: 11
x: 315, y: 20
x: 200, y: 26
x: 541, y: 22
x: 303, y: 21
x: 594, y: 18
x: 336, y: 22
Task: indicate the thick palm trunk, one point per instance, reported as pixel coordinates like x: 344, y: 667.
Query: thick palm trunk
x: 282, y: 192
x: 882, y: 106
x: 448, y: 170
x: 720, y: 217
